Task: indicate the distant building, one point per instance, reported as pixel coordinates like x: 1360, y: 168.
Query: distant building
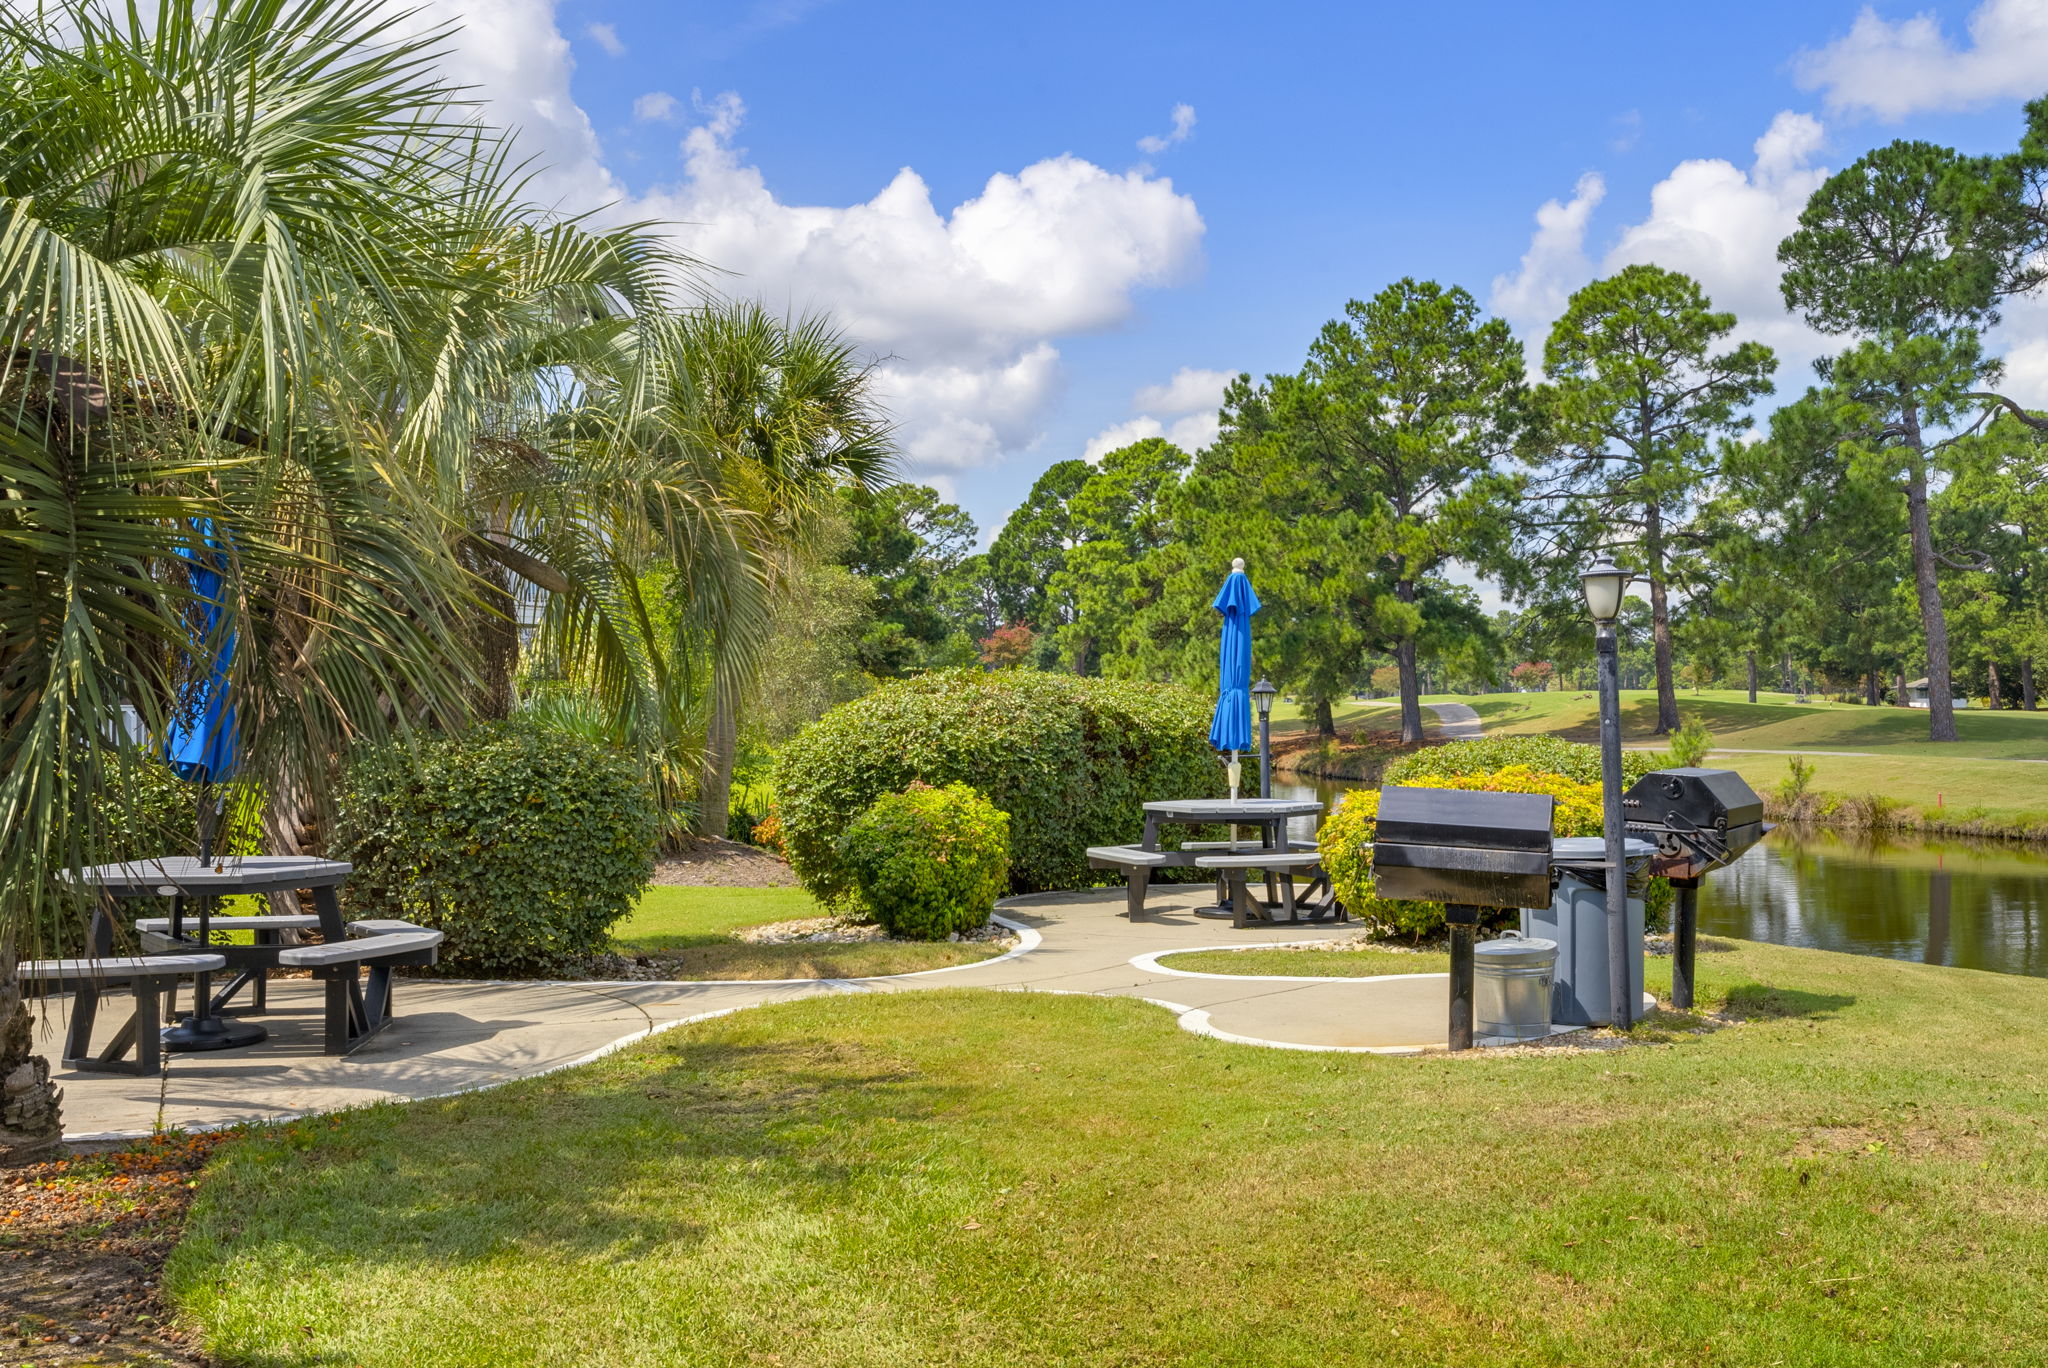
x: 1916, y: 695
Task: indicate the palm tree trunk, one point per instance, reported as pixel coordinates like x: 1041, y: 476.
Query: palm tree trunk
x: 721, y: 743
x: 30, y: 1123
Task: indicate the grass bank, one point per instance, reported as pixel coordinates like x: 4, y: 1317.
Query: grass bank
x: 690, y: 932
x: 1858, y: 1175
x: 1872, y: 767
x: 1311, y: 961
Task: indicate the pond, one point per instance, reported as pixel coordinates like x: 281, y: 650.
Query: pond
x: 1974, y: 904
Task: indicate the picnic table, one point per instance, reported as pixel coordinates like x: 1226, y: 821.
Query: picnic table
x: 353, y: 1014
x: 1269, y: 851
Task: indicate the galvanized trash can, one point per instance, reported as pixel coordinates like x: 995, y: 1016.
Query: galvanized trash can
x: 1511, y: 987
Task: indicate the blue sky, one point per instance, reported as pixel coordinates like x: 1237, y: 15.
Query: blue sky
x: 1327, y: 150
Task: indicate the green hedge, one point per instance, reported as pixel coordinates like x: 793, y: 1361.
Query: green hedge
x: 929, y: 861
x: 1069, y: 759
x: 524, y: 845
x: 1575, y: 760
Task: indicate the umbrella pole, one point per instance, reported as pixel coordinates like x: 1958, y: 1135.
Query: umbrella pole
x: 202, y: 1030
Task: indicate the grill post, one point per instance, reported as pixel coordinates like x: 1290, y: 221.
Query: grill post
x: 1462, y: 921
x: 1685, y: 922
x: 1624, y: 1011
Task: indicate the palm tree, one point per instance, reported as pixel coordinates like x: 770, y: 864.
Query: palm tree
x: 259, y: 266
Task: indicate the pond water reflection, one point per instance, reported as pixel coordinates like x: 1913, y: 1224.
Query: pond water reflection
x: 1975, y: 904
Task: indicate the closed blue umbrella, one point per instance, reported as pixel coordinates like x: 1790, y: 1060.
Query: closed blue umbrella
x: 1231, y: 730
x: 201, y: 744
x: 201, y: 741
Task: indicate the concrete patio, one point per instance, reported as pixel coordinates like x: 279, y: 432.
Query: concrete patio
x: 455, y: 1035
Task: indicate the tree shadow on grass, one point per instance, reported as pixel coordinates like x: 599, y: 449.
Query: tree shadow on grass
x: 1761, y: 1002
x: 565, y: 1169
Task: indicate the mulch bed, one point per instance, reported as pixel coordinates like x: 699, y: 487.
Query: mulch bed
x: 82, y: 1247
x: 708, y: 862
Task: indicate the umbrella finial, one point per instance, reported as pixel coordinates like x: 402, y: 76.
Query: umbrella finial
x: 1237, y: 565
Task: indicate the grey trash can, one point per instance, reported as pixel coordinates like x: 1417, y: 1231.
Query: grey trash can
x: 1511, y: 980
x: 1577, y: 920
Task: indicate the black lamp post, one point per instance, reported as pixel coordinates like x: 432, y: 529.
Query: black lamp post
x: 1262, y: 699
x: 1603, y: 582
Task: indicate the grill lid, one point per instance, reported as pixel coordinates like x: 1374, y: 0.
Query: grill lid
x: 1462, y: 817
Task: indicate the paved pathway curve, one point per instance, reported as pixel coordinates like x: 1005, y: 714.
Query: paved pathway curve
x: 454, y: 1036
x: 1459, y: 721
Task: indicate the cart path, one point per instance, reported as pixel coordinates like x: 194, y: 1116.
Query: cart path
x: 451, y: 1036
x: 1458, y: 721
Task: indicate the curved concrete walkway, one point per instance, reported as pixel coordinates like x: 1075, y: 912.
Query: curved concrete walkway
x: 1457, y: 721
x: 455, y: 1036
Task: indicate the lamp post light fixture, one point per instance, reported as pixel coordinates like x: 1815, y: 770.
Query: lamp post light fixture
x: 1262, y: 699
x: 1604, y: 582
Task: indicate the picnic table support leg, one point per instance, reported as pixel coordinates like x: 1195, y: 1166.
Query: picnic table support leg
x: 327, y: 904
x: 1135, y: 884
x: 1241, y: 911
x: 148, y: 1025
x: 85, y: 1005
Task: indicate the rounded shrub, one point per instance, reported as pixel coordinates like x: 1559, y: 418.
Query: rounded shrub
x: 1345, y: 838
x: 524, y: 845
x: 929, y: 862
x: 1071, y: 760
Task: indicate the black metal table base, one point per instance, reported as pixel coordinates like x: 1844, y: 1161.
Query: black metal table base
x: 213, y: 1033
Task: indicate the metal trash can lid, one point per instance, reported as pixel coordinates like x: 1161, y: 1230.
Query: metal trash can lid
x: 1592, y: 850
x: 1514, y: 949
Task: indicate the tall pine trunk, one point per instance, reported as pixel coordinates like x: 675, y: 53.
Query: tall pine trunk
x: 1752, y: 676
x: 2027, y: 699
x: 1660, y: 621
x: 1997, y: 694
x: 1941, y: 714
x: 1899, y: 699
x: 30, y: 1123
x: 1870, y: 687
x: 1404, y: 660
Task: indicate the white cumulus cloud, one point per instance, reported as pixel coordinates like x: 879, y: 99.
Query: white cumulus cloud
x: 1715, y: 221
x: 962, y: 307
x: 965, y: 304
x: 1892, y: 69
x: 512, y: 54
x: 656, y: 106
x: 1190, y: 434
x: 1554, y: 265
x: 1152, y: 144
x: 606, y: 37
x: 1189, y: 389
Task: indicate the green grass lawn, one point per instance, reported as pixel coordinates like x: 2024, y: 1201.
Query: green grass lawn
x: 1382, y: 714
x: 690, y: 930
x: 1857, y: 1175
x: 1892, y: 755
x: 1365, y: 962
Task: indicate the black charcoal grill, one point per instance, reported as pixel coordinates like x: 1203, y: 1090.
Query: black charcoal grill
x: 1467, y: 851
x: 1700, y: 820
